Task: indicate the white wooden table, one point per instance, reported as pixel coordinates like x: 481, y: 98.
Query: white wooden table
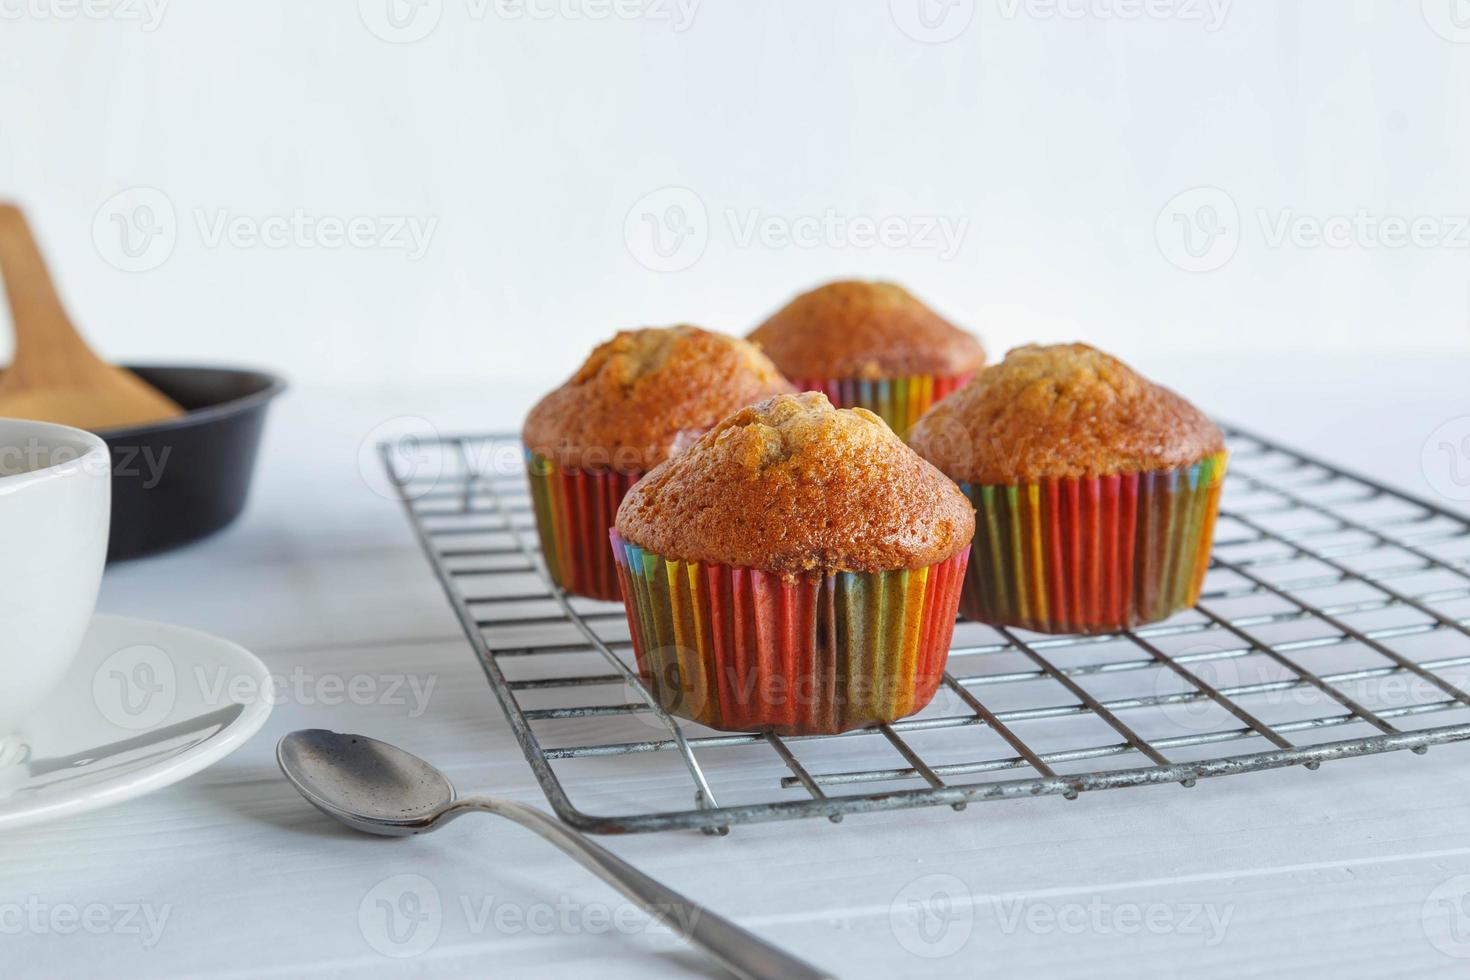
x: 1328, y: 873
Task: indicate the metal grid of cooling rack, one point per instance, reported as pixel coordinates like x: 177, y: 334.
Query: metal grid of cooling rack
x: 1335, y: 622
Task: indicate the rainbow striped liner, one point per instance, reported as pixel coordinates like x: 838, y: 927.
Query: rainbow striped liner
x: 1092, y: 555
x: 745, y: 650
x: 575, y: 509
x: 898, y: 401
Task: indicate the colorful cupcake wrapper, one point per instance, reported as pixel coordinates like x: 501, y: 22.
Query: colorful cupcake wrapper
x: 575, y: 509
x: 745, y: 650
x: 1092, y: 555
x: 898, y: 401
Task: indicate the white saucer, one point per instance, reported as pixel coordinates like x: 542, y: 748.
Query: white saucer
x: 144, y: 705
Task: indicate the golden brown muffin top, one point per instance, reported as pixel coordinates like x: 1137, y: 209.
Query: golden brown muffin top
x: 647, y: 394
x: 864, y: 330
x: 1061, y: 412
x: 793, y: 485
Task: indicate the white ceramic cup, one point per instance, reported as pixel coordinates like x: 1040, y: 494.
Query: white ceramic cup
x: 55, y: 510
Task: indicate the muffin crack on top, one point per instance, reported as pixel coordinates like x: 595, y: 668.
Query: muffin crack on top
x: 1062, y: 412
x: 792, y: 485
x: 647, y: 394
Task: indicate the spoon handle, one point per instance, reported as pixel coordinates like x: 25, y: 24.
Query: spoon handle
x: 740, y: 951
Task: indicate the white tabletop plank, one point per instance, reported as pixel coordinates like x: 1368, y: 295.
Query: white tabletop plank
x: 1325, y: 874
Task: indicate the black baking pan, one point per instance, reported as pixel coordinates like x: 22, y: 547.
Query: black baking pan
x: 177, y: 481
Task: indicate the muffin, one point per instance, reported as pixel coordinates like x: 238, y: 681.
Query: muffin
x: 870, y: 345
x: 639, y: 398
x: 797, y: 570
x: 1095, y: 491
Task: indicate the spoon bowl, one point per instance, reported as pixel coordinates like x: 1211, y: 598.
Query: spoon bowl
x: 369, y: 785
x: 379, y: 788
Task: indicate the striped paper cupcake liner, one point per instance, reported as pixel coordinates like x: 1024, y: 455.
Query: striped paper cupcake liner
x: 575, y: 510
x: 1092, y: 555
x: 898, y: 401
x: 744, y: 650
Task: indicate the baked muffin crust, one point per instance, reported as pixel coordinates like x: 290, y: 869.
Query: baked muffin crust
x: 868, y: 330
x: 793, y: 485
x: 647, y: 394
x: 1061, y: 412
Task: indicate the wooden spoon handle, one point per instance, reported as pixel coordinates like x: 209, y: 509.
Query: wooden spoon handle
x: 44, y: 335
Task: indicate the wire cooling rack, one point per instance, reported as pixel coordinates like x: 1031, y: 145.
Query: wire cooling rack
x: 1335, y: 622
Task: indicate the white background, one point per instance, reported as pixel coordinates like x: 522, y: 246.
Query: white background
x: 530, y: 134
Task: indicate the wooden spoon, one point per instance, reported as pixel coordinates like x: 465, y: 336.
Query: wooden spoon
x: 55, y: 376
